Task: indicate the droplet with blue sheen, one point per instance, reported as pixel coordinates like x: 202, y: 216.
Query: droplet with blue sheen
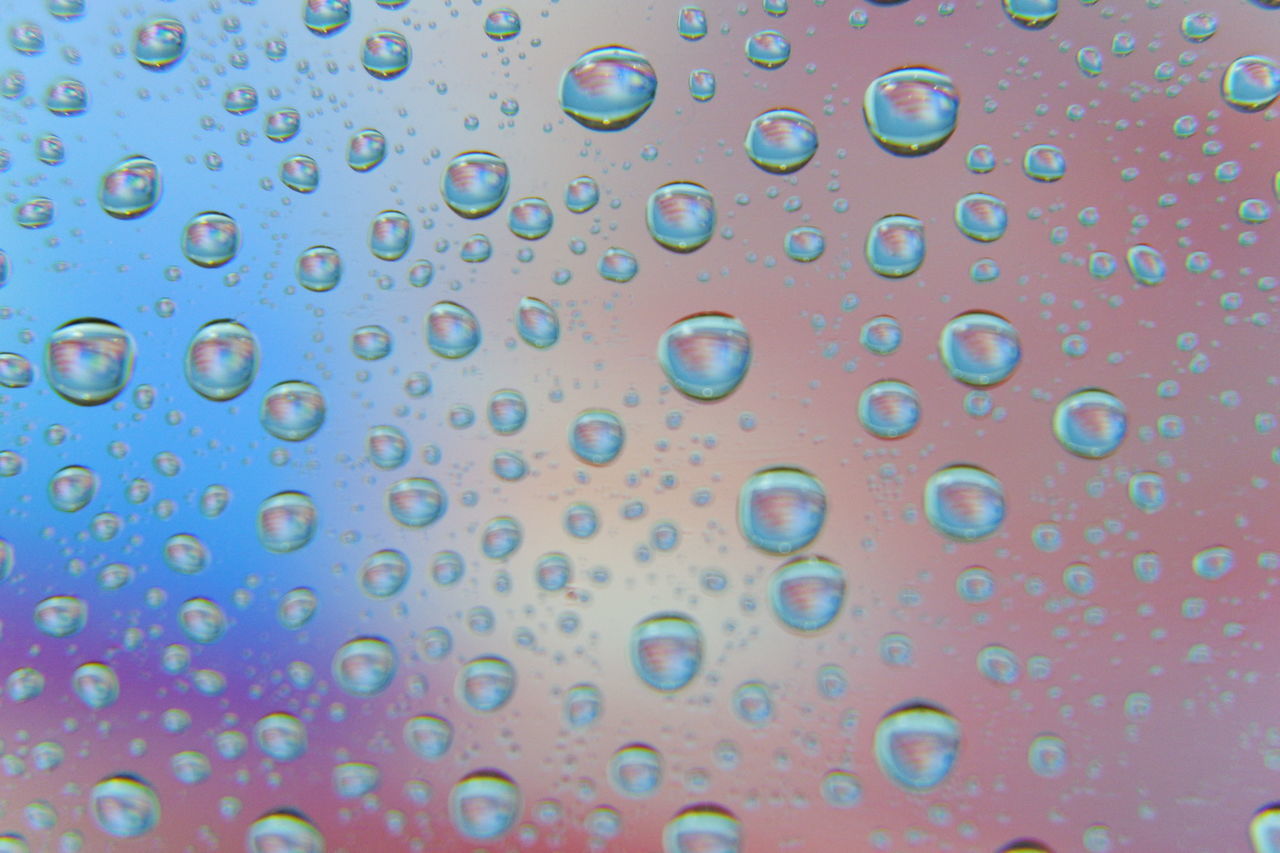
x: 537, y: 323
x: 666, y: 651
x: 1251, y: 83
x: 530, y: 218
x: 1045, y: 163
x: 635, y: 770
x: 124, y: 806
x: 486, y: 683
x: 889, y: 409
x: 916, y: 746
x: 1146, y: 264
x: 416, y: 501
x: 502, y: 24
x: 806, y: 593
x: 319, y: 268
x: 982, y: 217
x: 979, y: 348
x: 911, y: 111
x: 284, y: 832
x: 781, y: 510
x: 390, y: 235
x: 428, y: 735
x: 702, y: 828
x: 681, y: 216
x: 768, y: 49
x: 608, y: 88
x: 702, y: 84
x: 1090, y: 423
x: 158, y: 44
x: 386, y: 55
x: 89, y: 361
x: 596, y: 436
x: 705, y: 356
x: 210, y: 239
x: 452, y: 330
x: 507, y: 412
x: 67, y: 97
x: 1031, y: 14
x: 881, y: 335
x: 484, y: 805
x: 326, y: 17
x: 617, y: 265
x: 895, y: 246
x: 804, y: 243
x: 581, y: 194
x: 474, y: 184
x: 366, y: 149
x: 282, y: 125
x: 286, y: 522
x: 222, y: 360
x: 300, y: 173
x: 364, y: 666
x: 964, y: 503
x: 691, y: 23
x: 781, y: 141
x: 131, y: 188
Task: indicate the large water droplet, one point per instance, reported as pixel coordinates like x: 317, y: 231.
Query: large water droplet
x: 666, y: 651
x: 807, y: 593
x: 702, y: 828
x: 895, y: 246
x: 222, y: 360
x: 474, y: 184
x: 781, y: 510
x: 681, y: 216
x: 386, y: 55
x: 781, y: 141
x: 89, y: 361
x: 636, y: 770
x: 364, y: 666
x: 210, y: 239
x: 596, y: 436
x: 158, y: 44
x: 484, y: 804
x: 1031, y: 14
x: 452, y: 330
x: 964, y: 503
x: 286, y: 522
x: 889, y: 409
x: 608, y: 88
x: 916, y: 745
x: 1251, y: 83
x: 979, y: 349
x: 486, y: 683
x: 131, y: 188
x: 911, y: 111
x: 1090, y: 423
x: 124, y: 806
x: 705, y: 356
x: 284, y: 832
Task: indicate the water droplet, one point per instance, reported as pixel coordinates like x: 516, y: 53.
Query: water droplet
x: 507, y: 412
x: 67, y: 98
x: 1090, y: 423
x: 691, y: 23
x: 635, y: 770
x: 980, y: 349
x: 1146, y: 491
x: 807, y: 593
x: 1024, y: 845
x: 297, y: 606
x: 429, y: 736
x: 895, y: 246
x: 72, y: 488
x: 502, y: 24
x: 319, y: 268
x: 1044, y: 163
x: 222, y: 360
x: 124, y: 806
x: 1264, y: 829
x: 364, y: 666
x: 282, y: 125
x: 581, y: 194
x: 881, y: 335
x: 981, y: 217
x: 416, y: 501
x: 916, y: 745
x: 781, y: 141
x: 386, y: 55
x: 1047, y: 756
x: 608, y: 88
x: 911, y: 111
x: 705, y: 356
x: 486, y: 683
x: 1251, y: 83
x: 15, y: 371
x: 474, y: 184
x: 1031, y: 14
x: 617, y: 265
x: 281, y: 736
x: 1199, y: 26
x: 284, y: 831
x: 210, y: 239
x: 889, y: 409
x: 596, y: 436
x: 484, y: 804
x: 452, y: 330
x: 537, y: 323
x: 384, y: 573
x: 202, y: 621
x: 681, y: 216
x: 702, y: 828
x: 702, y: 84
x: 89, y: 361
x: 286, y: 522
x: 768, y: 49
x: 61, y: 615
x: 1146, y: 265
x: 753, y: 704
x: 1213, y: 563
x: 530, y: 218
x: 390, y: 235
x: 841, y: 789
x: 131, y: 188
x: 300, y: 173
x: 666, y: 651
x: 964, y: 503
x: 159, y: 43
x: 366, y: 149
x: 981, y: 159
x: 326, y: 17
x: 804, y: 244
x: 781, y: 510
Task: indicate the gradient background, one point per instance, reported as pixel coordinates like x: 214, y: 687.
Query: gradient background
x: 1186, y: 777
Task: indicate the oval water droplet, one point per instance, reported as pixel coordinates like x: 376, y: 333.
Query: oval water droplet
x: 980, y: 349
x: 1090, y: 423
x: 702, y: 828
x: 895, y: 246
x: 158, y: 44
x: 781, y: 141
x: 452, y: 330
x: 124, y: 806
x: 89, y: 361
x: 596, y: 436
x: 210, y: 239
x: 608, y: 88
x: 916, y: 746
x: 221, y: 360
x: 484, y: 804
x: 889, y: 409
x: 781, y: 510
x: 964, y: 503
x: 911, y: 111
x: 681, y: 216
x: 1031, y: 14
x: 131, y: 188
x: 807, y: 593
x: 286, y: 522
x: 666, y: 651
x: 474, y: 184
x: 486, y: 683
x: 364, y: 666
x: 1251, y: 83
x: 386, y: 55
x: 705, y: 356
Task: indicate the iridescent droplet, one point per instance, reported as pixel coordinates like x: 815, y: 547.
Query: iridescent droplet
x: 635, y: 770
x: 596, y: 436
x: 89, y: 361
x: 702, y: 828
x: 364, y: 666
x: 507, y: 412
x: 282, y: 125
x: 484, y: 804
x: 1146, y: 265
x: 15, y: 371
x: 319, y: 268
x: 1090, y: 423
x: 705, y: 356
x: 981, y: 217
x: 807, y: 593
x: 1264, y: 829
x: 691, y: 23
x: 781, y: 141
x: 1146, y: 491
x: 964, y: 503
x: 486, y: 683
x: 326, y: 17
x: 979, y: 349
x: 386, y: 55
x: 428, y: 735
x: 768, y: 49
x: 452, y: 330
x: 384, y: 573
x: 124, y: 806
x: 159, y: 43
x: 61, y: 615
x: 537, y: 323
x: 916, y: 745
x: 753, y: 704
x: 131, y: 188
x: 1045, y: 163
x: 474, y: 183
x: 530, y: 218
x: 666, y: 651
x: 284, y: 832
x: 781, y: 510
x: 221, y: 360
x: 1251, y: 83
x: 702, y: 84
x: 889, y: 409
x: 581, y: 194
x: 300, y: 173
x: 416, y: 501
x: 1199, y: 26
x: 1213, y: 563
x: 72, y: 488
x: 911, y: 111
x: 502, y: 24
x: 881, y: 335
x: 202, y: 620
x: 366, y: 149
x: 1031, y: 14
x: 608, y: 88
x: 296, y: 608
x: 895, y: 246
x: 390, y: 235
x: 804, y: 244
x: 1047, y: 756
x: 281, y: 736
x: 681, y: 216
x: 67, y: 98
x: 618, y: 265
x: 286, y: 522
x: 210, y: 239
